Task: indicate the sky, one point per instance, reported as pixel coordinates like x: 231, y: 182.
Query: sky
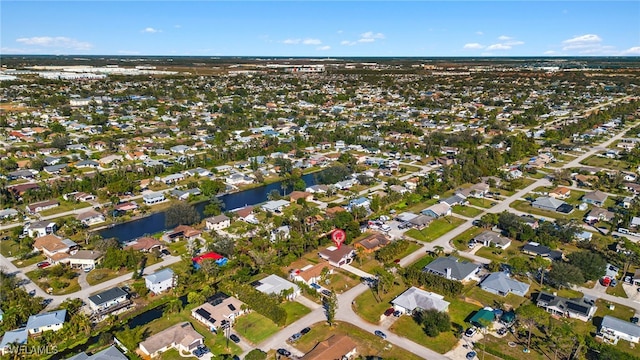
x: 321, y: 28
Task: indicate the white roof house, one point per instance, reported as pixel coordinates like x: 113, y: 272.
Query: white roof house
x: 275, y: 206
x: 274, y: 284
x: 47, y: 321
x: 417, y: 299
x: 160, y: 280
x: 500, y: 283
x: 614, y: 329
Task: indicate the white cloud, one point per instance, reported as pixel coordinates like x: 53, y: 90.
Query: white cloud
x: 311, y: 42
x: 340, y: 31
x: 324, y: 48
x: 473, y: 46
x: 632, y: 51
x: 498, y: 47
x: 366, y: 40
x: 582, y: 39
x: 291, y: 41
x: 590, y: 44
x: 504, y: 38
x: 370, y: 37
x: 479, y: 33
x: 60, y: 42
x: 150, y: 30
x: 347, y: 43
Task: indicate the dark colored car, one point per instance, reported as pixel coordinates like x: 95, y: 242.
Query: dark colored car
x: 43, y: 264
x: 234, y: 338
x: 471, y: 354
x: 388, y: 312
x: 326, y: 292
x: 634, y: 320
x: 396, y: 313
x: 305, y: 330
x: 284, y: 352
x: 380, y: 334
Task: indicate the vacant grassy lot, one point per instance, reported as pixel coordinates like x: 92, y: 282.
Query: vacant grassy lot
x: 29, y: 261
x: 295, y: 311
x: 97, y: 276
x: 255, y: 327
x: 368, y: 343
x: 603, y: 162
x: 467, y: 211
x: 407, y: 327
x: 436, y: 229
x: 483, y: 203
x: 370, y: 307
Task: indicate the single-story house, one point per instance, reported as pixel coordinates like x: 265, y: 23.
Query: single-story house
x: 437, y: 210
x: 145, y: 244
x: 335, y: 347
x: 153, y: 198
x: 584, y: 235
x: 535, y: 249
x: 160, y: 280
x: 110, y: 353
x: 109, y: 300
x: 417, y: 299
x: 182, y: 231
x: 275, y: 206
x: 12, y: 338
x: 599, y: 214
x: 451, y: 268
x: 8, y: 213
x: 582, y: 309
x: 338, y: 256
x: 51, y: 321
x: 311, y: 274
x: 274, y: 284
x: 489, y: 238
x: 181, y: 337
x: 613, y: 329
x: 218, y: 222
x: 596, y: 198
x: 372, y: 242
x: 500, y: 283
x: 217, y: 309
x: 42, y: 206
x: 560, y: 192
x: 295, y: 195
x: 547, y: 203
x: 457, y: 199
x: 85, y: 259
x: 421, y: 221
x: 90, y: 217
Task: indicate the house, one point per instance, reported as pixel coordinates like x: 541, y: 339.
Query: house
x: 110, y: 353
x: 211, y: 256
x: 42, y: 206
x: 295, y: 195
x: 317, y: 189
x: 198, y: 171
x: 51, y: 321
x: 451, y: 268
x: 85, y: 259
x: 181, y: 337
x: 338, y: 256
x: 40, y: 228
x: 437, y: 210
x: 492, y: 239
x: 160, y: 281
x: 246, y: 214
x: 547, y: 203
x: 172, y: 178
x: 535, y: 249
x: 457, y: 199
x: 275, y: 206
x: 583, y: 235
x: 336, y: 347
x: 560, y: 192
x: 417, y: 299
x: 311, y: 274
x: 54, y: 247
x: 421, y: 221
x: 185, y: 194
x: 372, y: 243
x: 274, y: 284
x: 599, y: 214
x: 582, y: 309
x: 182, y: 231
x: 8, y: 213
x: 500, y: 283
x: 218, y: 222
x: 145, y: 244
x: 360, y: 202
x: 90, y: 217
x: 153, y: 198
x: 476, y: 190
x: 125, y: 206
x: 530, y: 221
x: 613, y: 329
x: 632, y: 187
x: 217, y: 309
x: 483, y: 317
x: 596, y: 198
x: 87, y: 164
x: 238, y: 179
x: 109, y: 300
x: 13, y: 338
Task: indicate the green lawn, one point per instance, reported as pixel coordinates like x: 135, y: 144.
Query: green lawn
x: 461, y: 241
x: 367, y: 343
x: 370, y: 308
x: 255, y: 327
x: 489, y: 299
x: 30, y: 261
x: 72, y: 287
x: 467, y: 211
x: 460, y: 311
x: 295, y: 311
x: 9, y: 248
x: 526, y: 207
x: 422, y: 262
x: 604, y: 162
x: 97, y: 276
x: 407, y: 327
x: 617, y: 290
x: 64, y: 207
x: 436, y: 229
x: 483, y: 203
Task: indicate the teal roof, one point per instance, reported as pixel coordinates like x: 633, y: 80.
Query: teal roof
x: 483, y: 314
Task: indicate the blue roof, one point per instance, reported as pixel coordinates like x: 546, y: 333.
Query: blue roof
x: 18, y: 336
x: 46, y: 319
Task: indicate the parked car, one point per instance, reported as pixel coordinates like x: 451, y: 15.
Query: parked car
x: 284, y: 352
x: 627, y: 279
x: 614, y: 282
x: 471, y: 355
x: 397, y: 313
x: 502, y: 331
x: 634, y: 320
x: 43, y: 264
x: 305, y: 330
x: 326, y: 292
x: 380, y: 334
x: 295, y: 337
x: 388, y: 312
x: 32, y: 293
x: 315, y: 286
x: 470, y: 332
x: 234, y: 338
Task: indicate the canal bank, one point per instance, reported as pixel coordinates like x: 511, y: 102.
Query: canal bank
x: 155, y: 222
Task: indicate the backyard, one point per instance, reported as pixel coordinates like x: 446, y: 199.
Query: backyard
x: 436, y: 229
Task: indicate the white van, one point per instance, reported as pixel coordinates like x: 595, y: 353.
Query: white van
x: 385, y: 227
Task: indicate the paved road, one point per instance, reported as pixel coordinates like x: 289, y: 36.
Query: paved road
x: 634, y: 304
x: 84, y: 293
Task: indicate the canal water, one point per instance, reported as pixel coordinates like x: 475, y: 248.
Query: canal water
x: 128, y: 231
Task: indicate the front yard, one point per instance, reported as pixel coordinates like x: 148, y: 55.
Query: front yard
x: 370, y: 308
x: 436, y: 229
x: 467, y: 211
x: 255, y: 327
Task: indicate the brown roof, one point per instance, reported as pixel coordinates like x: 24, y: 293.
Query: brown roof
x: 334, y: 348
x: 561, y: 190
x: 86, y: 255
x: 144, y: 243
x: 373, y: 241
x: 295, y: 195
x: 187, y: 231
x: 182, y: 333
x: 245, y: 211
x: 335, y: 210
x: 50, y: 242
x: 337, y: 254
x: 314, y: 271
x: 87, y: 215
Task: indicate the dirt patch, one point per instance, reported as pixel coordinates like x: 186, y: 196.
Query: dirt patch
x: 12, y: 107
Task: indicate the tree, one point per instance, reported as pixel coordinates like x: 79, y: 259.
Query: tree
x: 130, y: 338
x: 60, y: 141
x: 563, y: 274
x: 561, y: 339
x: 591, y: 264
x: 529, y: 316
x: 438, y: 250
x: 195, y: 298
x: 433, y: 322
x: 173, y: 306
x: 181, y: 213
x: 330, y: 304
x: 256, y: 354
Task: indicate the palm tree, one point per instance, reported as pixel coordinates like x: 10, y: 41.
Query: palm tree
x: 173, y: 306
x: 438, y: 250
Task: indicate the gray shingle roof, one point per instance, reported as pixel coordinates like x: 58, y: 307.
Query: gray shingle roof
x: 415, y: 298
x: 459, y: 270
x: 107, y: 295
x: 622, y: 326
x: 46, y: 319
x: 503, y: 283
